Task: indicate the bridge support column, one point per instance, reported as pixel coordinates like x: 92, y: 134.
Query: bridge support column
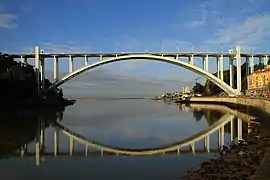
x: 37, y: 150
x: 247, y: 66
x: 207, y: 143
x: 231, y: 72
x: 232, y: 129
x: 260, y: 59
x: 37, y: 66
x: 192, y: 148
x: 191, y: 60
x: 42, y: 135
x: 205, y: 63
x: 42, y: 72
x: 239, y: 128
x: 55, y: 68
x: 71, y: 64
x: 221, y: 67
x: 56, y: 141
x: 23, y: 150
x: 23, y: 60
x: 219, y: 137
x: 251, y: 64
x: 218, y: 68
x: 85, y: 60
x: 71, y: 146
x: 86, y: 150
x: 265, y: 60
x: 238, y: 68
x: 222, y: 136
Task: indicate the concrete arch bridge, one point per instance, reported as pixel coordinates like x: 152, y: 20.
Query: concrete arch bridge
x: 171, y: 58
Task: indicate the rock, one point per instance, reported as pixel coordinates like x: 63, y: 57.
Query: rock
x: 238, y: 161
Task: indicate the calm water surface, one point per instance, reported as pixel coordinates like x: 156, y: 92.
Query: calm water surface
x: 131, y: 124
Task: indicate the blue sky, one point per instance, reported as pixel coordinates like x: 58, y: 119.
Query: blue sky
x: 137, y: 26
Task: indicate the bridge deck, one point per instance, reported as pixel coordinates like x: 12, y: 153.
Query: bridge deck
x: 98, y: 153
x: 165, y: 54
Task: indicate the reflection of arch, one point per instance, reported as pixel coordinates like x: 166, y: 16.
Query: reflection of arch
x: 222, y: 108
x: 169, y: 60
x: 151, y: 151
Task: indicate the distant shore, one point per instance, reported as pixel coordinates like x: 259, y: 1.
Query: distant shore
x: 106, y: 99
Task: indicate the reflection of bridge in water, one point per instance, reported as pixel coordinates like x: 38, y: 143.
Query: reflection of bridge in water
x: 184, y: 146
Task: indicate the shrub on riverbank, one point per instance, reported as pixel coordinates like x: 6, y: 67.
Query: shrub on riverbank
x: 18, y: 83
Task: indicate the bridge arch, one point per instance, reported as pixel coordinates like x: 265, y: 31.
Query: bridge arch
x: 148, y: 151
x: 169, y: 60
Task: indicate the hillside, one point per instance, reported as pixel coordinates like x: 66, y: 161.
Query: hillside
x: 18, y: 84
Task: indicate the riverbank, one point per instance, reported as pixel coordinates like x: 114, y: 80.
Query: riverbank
x: 239, y: 161
x: 249, y: 158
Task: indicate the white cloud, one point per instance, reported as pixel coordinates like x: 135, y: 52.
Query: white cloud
x: 204, y: 9
x: 252, y: 32
x: 8, y: 20
x: 196, y: 23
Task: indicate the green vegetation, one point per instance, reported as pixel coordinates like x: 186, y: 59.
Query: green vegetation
x: 19, y: 84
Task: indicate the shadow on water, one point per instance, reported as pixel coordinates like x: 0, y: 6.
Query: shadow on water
x: 18, y: 128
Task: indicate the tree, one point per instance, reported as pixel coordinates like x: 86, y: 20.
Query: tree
x: 198, y: 88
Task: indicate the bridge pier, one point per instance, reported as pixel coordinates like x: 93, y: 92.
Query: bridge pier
x: 222, y: 136
x: 251, y: 64
x: 86, y: 150
x: 85, y: 60
x: 266, y: 60
x: 207, y: 143
x: 260, y: 59
x: 42, y: 73
x: 42, y: 135
x: 193, y: 148
x: 205, y: 63
x: 232, y: 129
x: 231, y: 73
x: 71, y: 146
x: 55, y: 68
x: 191, y: 59
x: 221, y: 67
x: 37, y: 66
x: 71, y: 64
x: 238, y: 68
x: 40, y: 68
x: 37, y: 150
x: 247, y: 66
x: 56, y: 141
x: 239, y: 128
x: 23, y: 150
x: 218, y: 67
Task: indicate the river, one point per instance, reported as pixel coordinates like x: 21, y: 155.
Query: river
x: 52, y: 144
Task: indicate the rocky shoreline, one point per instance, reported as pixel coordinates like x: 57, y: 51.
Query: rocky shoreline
x: 239, y: 161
